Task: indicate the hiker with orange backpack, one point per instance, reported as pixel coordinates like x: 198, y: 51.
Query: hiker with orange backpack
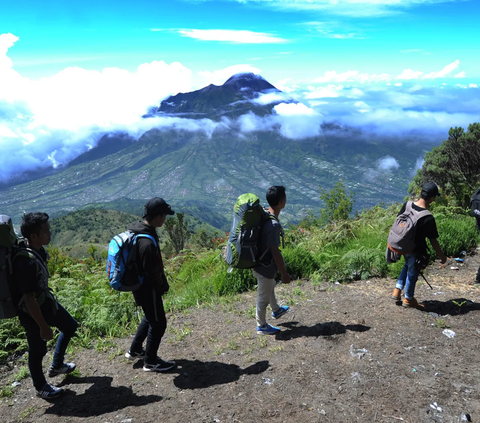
x: 407, y: 237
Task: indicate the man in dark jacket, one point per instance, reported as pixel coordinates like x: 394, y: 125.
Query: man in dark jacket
x: 147, y: 262
x: 475, y: 210
x: 38, y: 310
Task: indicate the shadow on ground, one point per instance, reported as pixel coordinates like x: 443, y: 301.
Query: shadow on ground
x: 294, y: 330
x: 196, y: 374
x: 99, y: 399
x: 452, y: 307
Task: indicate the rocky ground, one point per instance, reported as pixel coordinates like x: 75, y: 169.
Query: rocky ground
x: 346, y: 353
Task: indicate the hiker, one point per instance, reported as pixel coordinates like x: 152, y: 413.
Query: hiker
x: 38, y: 309
x: 425, y: 228
x: 148, y: 263
x: 475, y: 212
x: 272, y: 260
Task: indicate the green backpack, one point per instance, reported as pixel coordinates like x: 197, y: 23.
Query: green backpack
x: 244, y: 249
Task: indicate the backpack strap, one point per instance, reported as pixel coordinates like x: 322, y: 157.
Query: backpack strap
x: 271, y: 216
x: 420, y: 214
x: 145, y: 236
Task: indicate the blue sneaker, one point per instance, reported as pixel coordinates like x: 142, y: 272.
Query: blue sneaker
x: 280, y: 312
x: 267, y: 329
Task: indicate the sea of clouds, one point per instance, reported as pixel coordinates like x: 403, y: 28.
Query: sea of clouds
x: 50, y: 121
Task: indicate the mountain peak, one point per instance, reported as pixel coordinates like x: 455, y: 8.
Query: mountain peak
x: 232, y: 98
x: 249, y: 80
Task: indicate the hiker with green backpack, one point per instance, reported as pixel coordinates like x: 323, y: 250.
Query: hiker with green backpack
x: 253, y: 244
x: 272, y: 260
x: 407, y: 237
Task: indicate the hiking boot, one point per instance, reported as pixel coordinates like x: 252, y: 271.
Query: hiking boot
x: 49, y: 392
x: 132, y: 355
x: 159, y: 366
x: 267, y: 329
x: 412, y: 303
x: 280, y: 312
x: 397, y: 294
x: 64, y: 369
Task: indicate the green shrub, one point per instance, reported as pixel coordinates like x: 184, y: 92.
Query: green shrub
x: 457, y: 233
x: 299, y: 261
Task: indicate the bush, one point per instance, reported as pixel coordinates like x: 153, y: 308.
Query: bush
x: 299, y: 261
x: 239, y: 280
x: 456, y: 234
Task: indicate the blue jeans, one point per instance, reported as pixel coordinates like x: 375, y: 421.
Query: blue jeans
x: 408, y: 276
x: 37, y: 347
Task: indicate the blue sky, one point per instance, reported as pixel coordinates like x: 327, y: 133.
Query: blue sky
x: 404, y: 66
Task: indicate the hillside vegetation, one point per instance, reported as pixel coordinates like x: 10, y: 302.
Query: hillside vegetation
x: 329, y: 246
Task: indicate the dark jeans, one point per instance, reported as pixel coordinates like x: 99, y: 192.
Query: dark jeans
x: 37, y: 347
x: 153, y: 325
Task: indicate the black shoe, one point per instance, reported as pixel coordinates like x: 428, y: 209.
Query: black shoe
x: 49, y: 392
x: 64, y: 369
x: 160, y: 366
x: 132, y: 355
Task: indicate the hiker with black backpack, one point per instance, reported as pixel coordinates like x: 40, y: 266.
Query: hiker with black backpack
x: 475, y: 212
x: 407, y: 237
x: 272, y: 260
x: 145, y: 261
x: 38, y: 310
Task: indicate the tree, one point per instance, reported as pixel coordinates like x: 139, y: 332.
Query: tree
x: 177, y: 230
x: 337, y: 204
x: 454, y: 165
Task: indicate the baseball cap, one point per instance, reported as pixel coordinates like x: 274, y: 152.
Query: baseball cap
x: 157, y: 206
x: 429, y: 189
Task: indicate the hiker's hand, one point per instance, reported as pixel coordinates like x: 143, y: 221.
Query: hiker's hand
x: 443, y: 259
x: 46, y: 333
x: 286, y: 278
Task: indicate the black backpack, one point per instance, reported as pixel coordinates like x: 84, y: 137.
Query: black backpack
x: 475, y: 204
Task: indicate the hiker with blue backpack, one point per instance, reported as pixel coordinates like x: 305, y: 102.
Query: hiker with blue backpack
x: 271, y: 262
x: 38, y: 310
x: 145, y: 264
x: 407, y: 237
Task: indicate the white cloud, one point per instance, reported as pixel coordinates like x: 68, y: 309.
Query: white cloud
x: 352, y: 76
x: 409, y: 74
x: 444, y: 72
x: 232, y: 36
x: 388, y: 164
x: 460, y: 74
x: 272, y: 97
x: 295, y: 121
x: 323, y: 92
x: 356, y: 8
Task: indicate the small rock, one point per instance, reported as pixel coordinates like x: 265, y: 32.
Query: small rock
x: 466, y: 417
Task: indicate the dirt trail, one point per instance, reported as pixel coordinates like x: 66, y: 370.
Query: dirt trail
x: 346, y: 353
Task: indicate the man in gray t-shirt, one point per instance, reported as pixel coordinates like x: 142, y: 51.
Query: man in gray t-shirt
x: 271, y: 262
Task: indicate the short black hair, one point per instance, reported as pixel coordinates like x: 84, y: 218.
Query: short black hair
x: 275, y: 194
x: 32, y: 222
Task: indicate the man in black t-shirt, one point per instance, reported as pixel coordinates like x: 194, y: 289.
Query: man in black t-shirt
x: 148, y: 263
x: 425, y: 228
x: 38, y: 309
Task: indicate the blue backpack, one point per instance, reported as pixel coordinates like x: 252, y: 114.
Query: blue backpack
x: 119, y: 251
